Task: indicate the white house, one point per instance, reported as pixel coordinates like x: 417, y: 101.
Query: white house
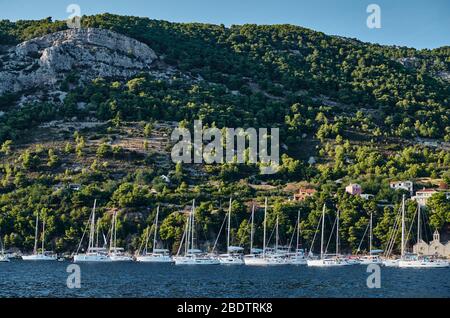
x: 423, y: 195
x: 404, y: 185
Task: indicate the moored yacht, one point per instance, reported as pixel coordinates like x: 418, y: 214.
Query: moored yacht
x: 267, y: 256
x: 233, y: 257
x: 414, y: 261
x: 42, y: 255
x: 327, y: 260
x: 196, y: 257
x: 191, y: 255
x: 390, y: 262
x: 374, y: 255
x: 157, y: 255
x: 94, y: 254
x: 116, y: 254
x: 298, y: 257
x: 409, y: 260
x: 234, y: 253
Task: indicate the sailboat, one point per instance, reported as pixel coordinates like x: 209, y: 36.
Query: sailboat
x: 192, y: 256
x: 373, y: 257
x: 267, y: 256
x: 94, y: 253
x: 408, y: 260
x: 234, y: 253
x: 42, y: 255
x: 3, y: 256
x: 116, y: 254
x: 326, y: 260
x: 157, y: 255
x: 254, y: 252
x: 298, y: 257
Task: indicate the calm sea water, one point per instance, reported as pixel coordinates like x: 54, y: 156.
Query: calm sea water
x: 48, y: 279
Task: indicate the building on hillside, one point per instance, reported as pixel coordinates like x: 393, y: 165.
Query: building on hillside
x: 423, y: 195
x: 304, y: 193
x: 434, y: 248
x: 353, y: 189
x: 404, y: 185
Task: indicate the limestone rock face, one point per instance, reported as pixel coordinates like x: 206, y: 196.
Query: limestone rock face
x: 90, y: 52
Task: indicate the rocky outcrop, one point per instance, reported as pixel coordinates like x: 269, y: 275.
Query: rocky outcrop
x: 90, y: 52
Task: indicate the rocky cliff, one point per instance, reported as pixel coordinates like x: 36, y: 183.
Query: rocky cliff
x: 92, y: 52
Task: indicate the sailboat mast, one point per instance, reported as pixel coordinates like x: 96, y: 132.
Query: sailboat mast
x: 193, y: 224
x: 403, y: 227
x: 188, y: 236
x: 111, y: 243
x: 92, y: 229
x: 156, y: 229
x: 337, y: 233
x: 115, y: 231
x: 298, y: 230
x: 229, y: 225
x: 418, y: 223
x: 36, y: 234
x: 147, y: 236
x: 370, y: 233
x: 96, y: 243
x: 43, y: 235
x: 265, y: 221
x: 322, y: 234
x: 251, y: 229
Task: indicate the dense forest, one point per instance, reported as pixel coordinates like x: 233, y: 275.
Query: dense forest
x: 366, y: 113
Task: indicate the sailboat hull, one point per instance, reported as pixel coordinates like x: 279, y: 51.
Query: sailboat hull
x: 120, y: 258
x: 231, y: 260
x: 265, y: 261
x: 296, y: 260
x: 94, y: 258
x: 423, y: 264
x: 196, y: 261
x: 326, y: 263
x: 4, y: 259
x: 390, y: 262
x: 39, y: 257
x: 154, y: 259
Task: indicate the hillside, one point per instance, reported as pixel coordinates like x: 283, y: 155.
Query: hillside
x: 94, y: 108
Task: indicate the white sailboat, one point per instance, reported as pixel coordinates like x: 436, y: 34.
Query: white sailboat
x: 116, y: 254
x: 373, y: 257
x: 3, y: 257
x: 389, y: 260
x: 234, y: 253
x: 94, y: 253
x: 328, y: 260
x: 298, y: 257
x: 192, y: 256
x: 408, y: 260
x: 265, y: 257
x: 157, y: 255
x: 254, y: 252
x: 42, y: 255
